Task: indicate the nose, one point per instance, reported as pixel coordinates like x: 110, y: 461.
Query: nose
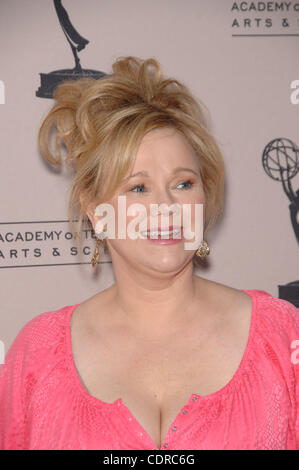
x: 164, y: 203
x: 163, y: 196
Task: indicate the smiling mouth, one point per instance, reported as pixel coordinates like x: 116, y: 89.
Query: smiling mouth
x: 171, y: 233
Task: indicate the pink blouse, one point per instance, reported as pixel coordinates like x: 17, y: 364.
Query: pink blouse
x: 43, y: 404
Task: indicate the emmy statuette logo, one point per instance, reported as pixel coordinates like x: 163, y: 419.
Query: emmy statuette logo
x: 281, y: 162
x: 49, y: 81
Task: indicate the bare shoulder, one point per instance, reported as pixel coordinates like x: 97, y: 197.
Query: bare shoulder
x: 228, y: 301
x: 230, y: 311
x: 84, y: 314
x: 224, y: 293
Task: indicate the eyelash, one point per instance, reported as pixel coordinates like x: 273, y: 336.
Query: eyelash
x: 142, y: 185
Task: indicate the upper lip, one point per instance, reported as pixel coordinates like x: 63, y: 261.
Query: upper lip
x: 164, y: 229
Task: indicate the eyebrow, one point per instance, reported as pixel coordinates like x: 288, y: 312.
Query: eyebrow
x: 176, y: 170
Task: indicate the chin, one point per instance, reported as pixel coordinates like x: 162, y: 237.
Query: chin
x: 167, y: 265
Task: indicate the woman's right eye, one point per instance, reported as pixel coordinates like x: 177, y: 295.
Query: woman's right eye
x: 137, y: 186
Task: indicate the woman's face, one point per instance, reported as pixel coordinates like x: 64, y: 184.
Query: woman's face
x: 161, y: 152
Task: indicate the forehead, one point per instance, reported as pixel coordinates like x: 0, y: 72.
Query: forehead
x: 162, y: 134
x: 163, y: 144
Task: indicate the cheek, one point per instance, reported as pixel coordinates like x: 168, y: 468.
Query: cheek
x: 127, y: 225
x: 126, y: 248
x: 191, y: 203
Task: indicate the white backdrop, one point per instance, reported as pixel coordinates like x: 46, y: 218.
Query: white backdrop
x: 239, y: 58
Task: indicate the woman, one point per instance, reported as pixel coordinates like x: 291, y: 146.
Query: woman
x: 162, y: 359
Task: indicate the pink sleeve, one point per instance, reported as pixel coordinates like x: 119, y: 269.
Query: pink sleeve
x: 294, y: 348
x: 12, y: 378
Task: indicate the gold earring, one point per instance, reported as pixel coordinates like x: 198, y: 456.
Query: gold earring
x: 203, y: 250
x: 96, y: 255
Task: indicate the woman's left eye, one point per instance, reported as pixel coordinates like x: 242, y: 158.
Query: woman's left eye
x: 188, y: 182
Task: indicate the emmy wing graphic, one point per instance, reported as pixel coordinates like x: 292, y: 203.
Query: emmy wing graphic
x: 281, y: 162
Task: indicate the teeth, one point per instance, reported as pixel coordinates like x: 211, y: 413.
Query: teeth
x: 165, y: 232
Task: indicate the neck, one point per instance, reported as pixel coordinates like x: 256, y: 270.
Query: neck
x: 155, y: 307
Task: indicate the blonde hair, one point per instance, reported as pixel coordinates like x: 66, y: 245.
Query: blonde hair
x: 102, y: 122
